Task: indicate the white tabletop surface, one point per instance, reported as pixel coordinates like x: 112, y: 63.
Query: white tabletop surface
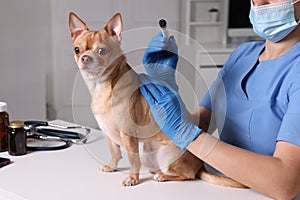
x: 74, y: 174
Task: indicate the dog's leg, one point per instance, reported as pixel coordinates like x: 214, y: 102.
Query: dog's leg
x: 162, y: 177
x: 116, y: 156
x: 185, y: 167
x: 149, y: 156
x: 131, y: 145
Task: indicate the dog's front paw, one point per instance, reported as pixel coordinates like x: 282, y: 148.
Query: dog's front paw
x: 130, y: 181
x: 107, y: 168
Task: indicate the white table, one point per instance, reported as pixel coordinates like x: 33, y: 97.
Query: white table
x: 74, y: 174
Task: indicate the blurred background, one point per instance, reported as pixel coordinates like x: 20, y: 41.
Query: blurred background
x: 39, y: 77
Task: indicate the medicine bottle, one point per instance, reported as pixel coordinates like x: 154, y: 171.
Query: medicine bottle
x: 16, y: 138
x: 4, y: 121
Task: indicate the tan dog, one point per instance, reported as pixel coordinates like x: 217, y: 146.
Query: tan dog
x: 122, y: 112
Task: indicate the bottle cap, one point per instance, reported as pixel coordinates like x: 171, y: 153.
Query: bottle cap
x: 3, y: 107
x: 16, y: 124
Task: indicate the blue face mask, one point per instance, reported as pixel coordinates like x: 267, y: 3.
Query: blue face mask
x: 273, y: 21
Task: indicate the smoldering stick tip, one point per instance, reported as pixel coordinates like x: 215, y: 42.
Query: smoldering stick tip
x: 162, y: 23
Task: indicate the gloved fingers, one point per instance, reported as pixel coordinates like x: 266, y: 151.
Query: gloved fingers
x: 158, y: 42
x: 147, y: 95
x: 150, y: 98
x: 147, y: 80
x: 143, y: 78
x: 154, y: 49
x: 158, y: 37
x: 156, y: 87
x: 159, y: 34
x: 162, y: 43
x: 163, y: 89
x: 164, y: 57
x: 156, y: 46
x: 152, y: 86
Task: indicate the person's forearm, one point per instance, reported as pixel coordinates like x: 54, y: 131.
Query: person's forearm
x: 265, y: 174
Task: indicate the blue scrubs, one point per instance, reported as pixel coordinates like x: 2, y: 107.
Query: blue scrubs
x: 256, y: 103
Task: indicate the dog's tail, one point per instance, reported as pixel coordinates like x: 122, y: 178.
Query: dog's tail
x: 218, y: 180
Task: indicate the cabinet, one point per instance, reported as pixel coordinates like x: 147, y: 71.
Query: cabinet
x: 206, y: 35
x: 205, y: 20
x: 207, y: 29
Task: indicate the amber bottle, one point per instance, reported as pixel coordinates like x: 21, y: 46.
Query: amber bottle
x: 16, y: 138
x: 4, y: 121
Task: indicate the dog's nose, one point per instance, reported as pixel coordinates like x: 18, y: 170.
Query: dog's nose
x: 85, y: 59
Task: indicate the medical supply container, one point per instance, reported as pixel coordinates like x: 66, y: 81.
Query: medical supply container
x: 4, y: 121
x: 17, y: 138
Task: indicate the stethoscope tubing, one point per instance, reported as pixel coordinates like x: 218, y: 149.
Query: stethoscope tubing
x: 36, y: 130
x: 66, y: 144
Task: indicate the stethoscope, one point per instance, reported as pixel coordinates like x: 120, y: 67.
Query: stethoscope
x: 36, y: 130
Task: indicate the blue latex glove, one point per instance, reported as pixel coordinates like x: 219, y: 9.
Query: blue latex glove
x: 160, y: 59
x: 168, y: 111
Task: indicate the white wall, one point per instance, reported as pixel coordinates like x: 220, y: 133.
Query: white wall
x: 25, y: 53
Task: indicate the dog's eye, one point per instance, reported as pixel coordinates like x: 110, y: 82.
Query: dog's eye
x: 76, y: 50
x: 102, y: 51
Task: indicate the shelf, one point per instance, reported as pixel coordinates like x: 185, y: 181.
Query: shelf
x: 205, y: 23
x: 199, y: 10
x: 202, y: 25
x: 205, y: 1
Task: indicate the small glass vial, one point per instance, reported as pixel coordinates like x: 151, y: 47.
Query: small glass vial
x: 16, y: 138
x: 4, y: 121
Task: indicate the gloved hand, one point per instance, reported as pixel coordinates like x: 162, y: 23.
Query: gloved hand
x: 160, y: 59
x: 168, y: 111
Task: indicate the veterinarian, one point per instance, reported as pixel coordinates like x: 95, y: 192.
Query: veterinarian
x: 255, y: 100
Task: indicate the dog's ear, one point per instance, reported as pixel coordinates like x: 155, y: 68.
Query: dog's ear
x: 114, y: 26
x: 76, y: 25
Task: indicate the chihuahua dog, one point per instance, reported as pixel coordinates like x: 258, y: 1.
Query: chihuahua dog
x: 121, y: 111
